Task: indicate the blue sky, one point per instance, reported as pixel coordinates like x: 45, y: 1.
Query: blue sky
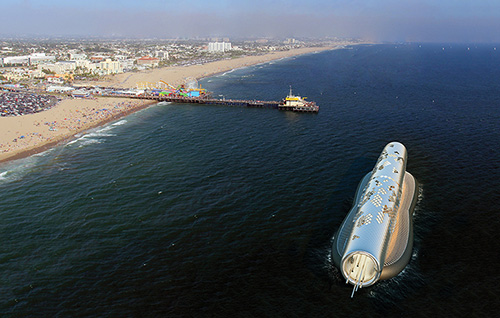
x: 382, y: 20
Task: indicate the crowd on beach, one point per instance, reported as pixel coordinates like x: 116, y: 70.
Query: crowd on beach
x: 22, y: 103
x: 88, y: 116
x: 75, y: 120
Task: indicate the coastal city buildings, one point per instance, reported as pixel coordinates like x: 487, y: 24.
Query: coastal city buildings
x: 58, y: 67
x: 108, y: 67
x: 219, y: 46
x: 77, y: 56
x: 148, y: 60
x: 162, y: 55
x: 32, y: 61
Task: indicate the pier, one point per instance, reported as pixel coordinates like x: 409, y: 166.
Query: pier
x: 215, y: 101
x: 162, y: 91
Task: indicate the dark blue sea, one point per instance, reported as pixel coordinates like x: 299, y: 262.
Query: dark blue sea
x: 212, y: 211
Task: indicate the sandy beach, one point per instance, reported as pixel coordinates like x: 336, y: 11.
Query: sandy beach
x: 22, y: 136
x: 180, y: 74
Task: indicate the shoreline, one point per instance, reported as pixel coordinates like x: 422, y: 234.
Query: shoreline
x: 262, y: 63
x: 85, y: 108
x: 45, y: 139
x: 21, y: 154
x: 176, y: 75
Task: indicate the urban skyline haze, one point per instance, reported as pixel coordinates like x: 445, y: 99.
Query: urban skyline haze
x: 383, y: 20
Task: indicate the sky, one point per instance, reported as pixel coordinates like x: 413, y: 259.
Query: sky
x: 463, y: 21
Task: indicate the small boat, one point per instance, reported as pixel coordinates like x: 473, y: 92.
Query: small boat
x: 297, y: 104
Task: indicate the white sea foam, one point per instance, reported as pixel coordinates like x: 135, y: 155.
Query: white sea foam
x: 119, y: 123
x: 100, y: 134
x: 86, y: 142
x: 72, y: 141
x: 17, y: 169
x: 10, y: 175
x: 88, y: 139
x: 104, y: 129
x: 96, y: 135
x: 44, y: 153
x: 228, y: 72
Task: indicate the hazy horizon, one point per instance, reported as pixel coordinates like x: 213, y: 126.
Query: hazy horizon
x: 383, y: 20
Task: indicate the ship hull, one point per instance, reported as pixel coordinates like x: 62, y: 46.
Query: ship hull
x: 301, y: 109
x: 386, y: 248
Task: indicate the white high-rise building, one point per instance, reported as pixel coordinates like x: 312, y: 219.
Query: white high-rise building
x: 162, y: 55
x: 219, y: 46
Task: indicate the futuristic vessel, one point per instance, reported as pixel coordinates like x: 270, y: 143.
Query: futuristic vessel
x: 375, y: 240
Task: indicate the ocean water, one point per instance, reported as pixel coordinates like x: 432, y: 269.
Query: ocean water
x: 213, y: 211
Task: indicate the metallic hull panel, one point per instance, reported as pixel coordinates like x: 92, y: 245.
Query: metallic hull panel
x: 376, y: 238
